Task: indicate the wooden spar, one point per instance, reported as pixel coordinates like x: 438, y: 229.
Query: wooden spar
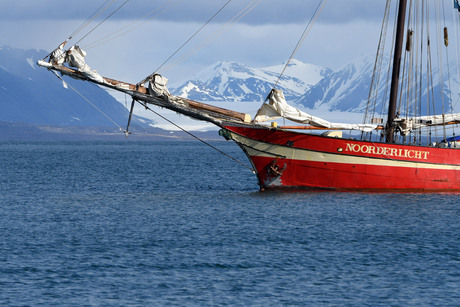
x: 246, y: 118
x: 202, y: 106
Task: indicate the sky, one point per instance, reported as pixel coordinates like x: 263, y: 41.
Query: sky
x: 265, y: 36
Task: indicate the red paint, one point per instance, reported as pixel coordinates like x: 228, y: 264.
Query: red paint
x: 362, y: 175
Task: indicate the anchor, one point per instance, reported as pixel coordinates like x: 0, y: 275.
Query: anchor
x: 274, y: 172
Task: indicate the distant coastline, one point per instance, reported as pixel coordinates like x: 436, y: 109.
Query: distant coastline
x: 11, y: 131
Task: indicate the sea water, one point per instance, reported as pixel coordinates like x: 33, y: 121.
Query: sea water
x: 177, y: 223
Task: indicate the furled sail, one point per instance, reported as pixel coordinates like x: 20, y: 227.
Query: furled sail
x: 413, y: 123
x: 75, y: 57
x: 278, y: 107
x: 158, y: 86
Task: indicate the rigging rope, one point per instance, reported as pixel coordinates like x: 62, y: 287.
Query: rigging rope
x: 92, y: 104
x: 150, y: 109
x: 135, y: 24
x: 376, y: 74
x: 310, y: 24
x: 216, y: 34
x: 447, y: 60
x: 90, y: 19
x: 194, y: 136
x: 186, y: 42
x: 456, y: 22
x: 96, y: 13
x: 100, y: 23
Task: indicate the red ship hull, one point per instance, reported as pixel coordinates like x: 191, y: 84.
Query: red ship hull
x: 287, y: 159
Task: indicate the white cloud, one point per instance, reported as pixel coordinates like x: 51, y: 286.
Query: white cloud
x: 264, y: 37
x: 266, y: 12
x: 140, y: 52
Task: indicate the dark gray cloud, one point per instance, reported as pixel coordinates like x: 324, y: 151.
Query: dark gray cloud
x: 267, y: 12
x: 265, y: 37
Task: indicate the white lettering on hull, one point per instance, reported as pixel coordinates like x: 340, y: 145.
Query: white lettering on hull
x: 387, y: 151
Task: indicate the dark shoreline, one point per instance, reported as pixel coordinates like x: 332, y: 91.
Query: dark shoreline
x: 31, y: 132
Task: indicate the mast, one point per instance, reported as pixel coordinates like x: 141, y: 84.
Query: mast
x: 390, y: 127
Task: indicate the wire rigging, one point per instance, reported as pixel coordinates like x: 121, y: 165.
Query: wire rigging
x: 456, y: 22
x: 92, y: 104
x: 307, y: 29
x: 375, y: 82
x: 186, y: 42
x: 216, y: 34
x: 135, y: 24
x: 91, y: 18
x: 104, y: 7
x: 100, y: 23
x: 194, y: 136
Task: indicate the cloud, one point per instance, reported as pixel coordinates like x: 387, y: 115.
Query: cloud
x: 266, y: 37
x: 266, y: 12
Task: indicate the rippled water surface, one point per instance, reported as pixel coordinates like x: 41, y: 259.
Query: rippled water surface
x: 154, y: 223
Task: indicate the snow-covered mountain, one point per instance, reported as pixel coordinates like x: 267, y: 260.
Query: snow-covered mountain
x: 30, y: 94
x: 308, y: 73
x: 305, y: 85
x: 225, y: 81
x: 346, y: 89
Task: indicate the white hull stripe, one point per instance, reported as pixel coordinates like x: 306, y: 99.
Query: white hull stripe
x: 261, y: 149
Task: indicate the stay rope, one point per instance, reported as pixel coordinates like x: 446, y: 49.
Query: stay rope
x: 135, y: 24
x: 90, y: 19
x: 186, y: 42
x: 307, y: 29
x: 194, y: 136
x: 96, y: 13
x: 100, y: 23
x: 216, y: 34
x: 92, y: 104
x: 156, y: 113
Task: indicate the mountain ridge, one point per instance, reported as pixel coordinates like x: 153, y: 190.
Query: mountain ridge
x: 30, y: 94
x: 34, y: 96
x: 305, y: 85
x: 223, y: 81
x: 309, y: 86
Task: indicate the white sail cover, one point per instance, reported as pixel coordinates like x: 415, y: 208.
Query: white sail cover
x: 431, y: 120
x: 76, y: 58
x: 413, y: 123
x: 278, y: 107
x: 58, y: 56
x: 158, y: 86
